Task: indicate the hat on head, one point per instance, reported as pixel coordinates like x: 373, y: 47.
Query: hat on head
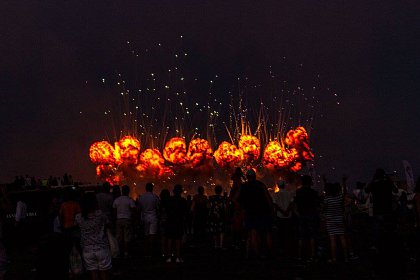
x: 250, y: 172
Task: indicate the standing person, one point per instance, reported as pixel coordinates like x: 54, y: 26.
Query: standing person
x: 20, y: 222
x: 217, y: 216
x: 67, y: 213
x: 257, y: 206
x: 416, y: 201
x: 123, y: 211
x: 199, y: 210
x: 382, y: 190
x: 235, y: 210
x: 307, y: 206
x: 334, y: 215
x: 176, y: 210
x: 284, y: 203
x: 189, y: 217
x: 149, y: 207
x: 94, y: 241
x: 116, y: 192
x: 104, y: 199
x: 163, y: 218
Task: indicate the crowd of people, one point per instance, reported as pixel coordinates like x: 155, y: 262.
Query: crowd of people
x: 30, y: 182
x: 249, y: 218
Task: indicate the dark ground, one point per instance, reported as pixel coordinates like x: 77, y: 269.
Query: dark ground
x: 204, y: 262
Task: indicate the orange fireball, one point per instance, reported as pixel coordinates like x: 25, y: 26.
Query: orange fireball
x: 127, y: 150
x: 175, y: 151
x: 275, y: 156
x: 298, y: 138
x: 152, y: 163
x: 109, y: 173
x: 101, y: 153
x: 199, y: 152
x: 250, y: 147
x: 228, y: 156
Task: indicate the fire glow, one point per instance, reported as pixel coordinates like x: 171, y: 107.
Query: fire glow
x: 289, y: 154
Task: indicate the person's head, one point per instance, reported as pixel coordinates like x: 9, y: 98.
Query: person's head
x: 177, y: 191
x: 281, y: 184
x: 360, y: 185
x: 332, y: 189
x: 88, y: 204
x: 116, y: 191
x: 218, y: 189
x: 164, y: 194
x: 125, y: 190
x: 379, y: 174
x: 306, y: 181
x: 238, y: 172
x: 251, y: 175
x: 200, y: 190
x: 106, y: 187
x: 149, y: 187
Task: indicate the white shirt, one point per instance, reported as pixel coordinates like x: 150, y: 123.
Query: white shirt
x: 149, y: 204
x: 283, y: 198
x: 123, y: 204
x: 21, y: 211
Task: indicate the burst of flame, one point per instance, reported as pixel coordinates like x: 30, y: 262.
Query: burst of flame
x: 109, y: 173
x: 199, y: 152
x: 275, y: 156
x: 250, y: 147
x: 298, y: 138
x: 101, y: 153
x: 152, y: 163
x: 228, y: 156
x: 127, y: 150
x: 175, y: 151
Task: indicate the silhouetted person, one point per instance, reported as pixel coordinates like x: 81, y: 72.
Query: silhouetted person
x: 176, y: 210
x: 149, y: 207
x: 382, y: 190
x: 334, y: 216
x: 258, y: 210
x: 235, y: 212
x: 199, y: 210
x: 217, y: 216
x: 163, y: 220
x: 123, y: 210
x: 104, y: 199
x: 307, y: 206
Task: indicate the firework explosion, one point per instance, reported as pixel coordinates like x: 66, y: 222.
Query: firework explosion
x: 150, y: 163
x: 164, y: 133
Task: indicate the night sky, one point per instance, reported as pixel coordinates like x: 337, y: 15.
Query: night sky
x: 53, y: 55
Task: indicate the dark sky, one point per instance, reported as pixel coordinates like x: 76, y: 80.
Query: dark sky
x: 367, y: 51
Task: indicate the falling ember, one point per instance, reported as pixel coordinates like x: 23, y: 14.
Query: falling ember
x: 127, y: 150
x: 250, y: 147
x: 199, y: 152
x: 228, y: 156
x: 152, y: 163
x: 101, y: 153
x: 175, y: 151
